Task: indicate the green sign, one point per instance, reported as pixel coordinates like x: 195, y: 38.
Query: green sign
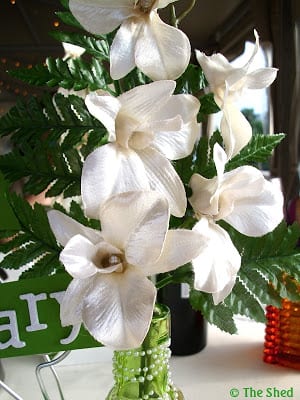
x: 30, y: 322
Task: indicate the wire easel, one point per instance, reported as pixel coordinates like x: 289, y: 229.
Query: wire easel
x: 48, y: 363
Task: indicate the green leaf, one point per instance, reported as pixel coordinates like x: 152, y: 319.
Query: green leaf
x: 191, y: 81
x: 42, y: 267
x: 259, y: 149
x: 203, y: 156
x: 207, y: 106
x: 75, y: 74
x: 260, y: 287
x: 97, y: 47
x: 33, y: 242
x: 219, y: 315
x: 76, y: 212
x: 133, y: 78
x: 51, y: 117
x: 273, y: 256
x: 46, y: 168
x: 243, y: 302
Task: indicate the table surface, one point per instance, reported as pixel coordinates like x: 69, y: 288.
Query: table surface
x: 227, y: 362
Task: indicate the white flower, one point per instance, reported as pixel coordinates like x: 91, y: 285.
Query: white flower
x: 244, y: 199
x: 147, y: 126
x: 143, y: 39
x: 227, y: 84
x: 110, y: 292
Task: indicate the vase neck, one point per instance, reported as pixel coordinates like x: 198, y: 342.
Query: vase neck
x: 143, y: 373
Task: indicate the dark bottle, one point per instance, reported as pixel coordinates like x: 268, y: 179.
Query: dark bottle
x: 188, y: 327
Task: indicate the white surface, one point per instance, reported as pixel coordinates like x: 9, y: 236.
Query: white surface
x: 227, y: 362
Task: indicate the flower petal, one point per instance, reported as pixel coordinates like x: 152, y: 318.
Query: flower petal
x: 163, y: 178
x: 162, y: 51
x: 235, y: 129
x: 64, y: 228
x: 180, y: 247
x: 118, y: 309
x: 218, y: 297
x: 218, y: 262
x: 216, y: 68
x: 122, y: 50
x: 261, y: 78
x: 136, y: 222
x: 101, y: 16
x: 77, y: 257
x: 105, y: 108
x: 71, y: 306
x: 142, y: 101
x: 109, y: 170
x: 177, y: 143
x: 259, y: 212
x: 205, y: 197
x: 184, y: 105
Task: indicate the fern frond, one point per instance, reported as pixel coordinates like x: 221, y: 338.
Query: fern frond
x: 259, y: 149
x: 192, y: 81
x: 51, y: 117
x: 46, y: 168
x: 243, y: 302
x: 272, y: 256
x: 76, y: 212
x: 34, y: 243
x: 75, y: 74
x: 97, y: 47
x: 219, y: 315
x: 259, y: 286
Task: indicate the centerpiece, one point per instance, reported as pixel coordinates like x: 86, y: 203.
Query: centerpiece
x: 135, y: 190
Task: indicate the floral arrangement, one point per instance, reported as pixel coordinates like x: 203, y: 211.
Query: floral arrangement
x: 118, y: 134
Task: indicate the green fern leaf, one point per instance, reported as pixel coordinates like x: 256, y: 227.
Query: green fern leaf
x: 260, y: 286
x: 203, y: 158
x: 219, y: 315
x: 192, y: 81
x: 208, y: 106
x: 45, y: 168
x: 53, y: 117
x: 76, y: 212
x: 97, y: 47
x: 241, y: 301
x: 42, y: 267
x: 33, y: 242
x: 259, y: 149
x: 273, y: 256
x: 37, y: 75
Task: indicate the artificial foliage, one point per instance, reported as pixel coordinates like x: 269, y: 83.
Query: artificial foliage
x: 51, y: 138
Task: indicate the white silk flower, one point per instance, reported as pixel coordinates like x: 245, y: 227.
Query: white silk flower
x: 228, y: 84
x: 159, y: 50
x: 147, y: 126
x: 245, y: 200
x: 110, y: 292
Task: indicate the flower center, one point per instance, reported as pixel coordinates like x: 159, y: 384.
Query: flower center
x: 110, y: 260
x: 105, y: 260
x: 145, y: 6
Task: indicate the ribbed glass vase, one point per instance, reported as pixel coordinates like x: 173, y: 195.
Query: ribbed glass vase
x: 143, y: 373
x: 282, y: 340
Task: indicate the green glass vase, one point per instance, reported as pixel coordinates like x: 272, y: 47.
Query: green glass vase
x: 143, y: 373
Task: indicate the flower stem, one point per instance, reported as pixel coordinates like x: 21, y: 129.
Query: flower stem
x: 117, y: 86
x: 164, y: 281
x: 176, y: 20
